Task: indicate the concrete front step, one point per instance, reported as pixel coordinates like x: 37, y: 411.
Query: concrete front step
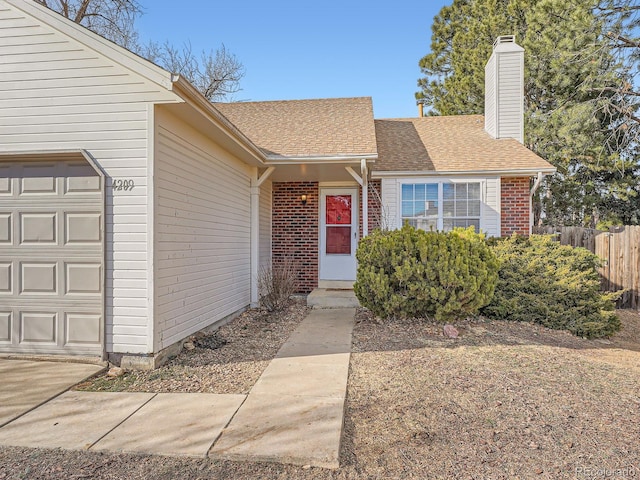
x: 332, y: 298
x: 339, y: 284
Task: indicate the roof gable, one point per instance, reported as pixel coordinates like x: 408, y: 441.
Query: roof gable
x: 70, y: 66
x: 91, y: 40
x: 332, y: 127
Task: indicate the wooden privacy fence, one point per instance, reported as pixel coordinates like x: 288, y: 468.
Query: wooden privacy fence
x: 619, y: 248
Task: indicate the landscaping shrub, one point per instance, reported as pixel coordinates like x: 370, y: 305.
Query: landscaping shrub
x: 413, y: 273
x: 554, y: 285
x: 276, y: 284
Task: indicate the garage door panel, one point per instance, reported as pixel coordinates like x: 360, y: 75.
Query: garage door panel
x: 38, y: 228
x: 82, y: 329
x: 5, y: 327
x: 38, y: 180
x: 83, y: 227
x: 6, y: 278
x: 5, y: 228
x: 76, y: 185
x: 38, y: 278
x: 51, y: 258
x: 39, y: 327
x: 5, y: 181
x: 83, y: 278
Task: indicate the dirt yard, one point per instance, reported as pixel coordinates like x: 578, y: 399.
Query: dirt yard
x: 503, y: 400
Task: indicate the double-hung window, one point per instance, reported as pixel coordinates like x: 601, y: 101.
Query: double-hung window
x: 441, y: 205
x: 420, y: 205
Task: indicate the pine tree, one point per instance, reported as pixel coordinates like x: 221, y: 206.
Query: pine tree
x: 571, y: 95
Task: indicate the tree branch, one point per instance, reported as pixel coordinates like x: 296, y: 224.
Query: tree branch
x: 626, y: 113
x: 82, y: 11
x: 626, y: 42
x: 621, y: 91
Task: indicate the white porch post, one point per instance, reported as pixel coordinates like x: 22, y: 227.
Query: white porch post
x: 256, y: 182
x: 255, y: 238
x: 363, y: 181
x: 365, y: 197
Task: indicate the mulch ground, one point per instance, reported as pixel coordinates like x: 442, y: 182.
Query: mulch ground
x: 504, y: 400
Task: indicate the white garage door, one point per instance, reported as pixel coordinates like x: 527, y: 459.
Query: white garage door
x: 51, y: 258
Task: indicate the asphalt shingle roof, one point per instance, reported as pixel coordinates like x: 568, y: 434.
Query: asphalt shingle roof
x: 306, y: 128
x: 448, y: 144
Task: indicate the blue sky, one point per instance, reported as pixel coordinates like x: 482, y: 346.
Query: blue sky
x: 294, y: 50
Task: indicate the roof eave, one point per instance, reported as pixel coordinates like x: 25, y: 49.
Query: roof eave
x: 294, y: 160
x: 190, y: 94
x: 440, y: 173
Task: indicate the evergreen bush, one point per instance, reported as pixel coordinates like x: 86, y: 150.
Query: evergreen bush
x: 413, y: 273
x: 555, y: 285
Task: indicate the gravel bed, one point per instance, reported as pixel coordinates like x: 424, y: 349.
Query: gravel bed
x: 227, y: 360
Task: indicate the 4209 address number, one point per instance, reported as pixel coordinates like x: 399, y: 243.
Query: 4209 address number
x: 125, y: 184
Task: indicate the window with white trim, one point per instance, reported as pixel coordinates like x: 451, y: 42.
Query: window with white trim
x: 441, y: 206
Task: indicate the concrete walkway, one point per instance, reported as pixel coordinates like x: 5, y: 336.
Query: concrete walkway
x: 293, y: 414
x: 24, y: 385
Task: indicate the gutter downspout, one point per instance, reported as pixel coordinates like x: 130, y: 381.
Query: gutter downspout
x: 536, y: 185
x: 365, y: 197
x: 256, y: 182
x: 363, y: 181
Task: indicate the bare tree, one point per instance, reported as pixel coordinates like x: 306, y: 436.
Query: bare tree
x: 113, y: 19
x: 216, y: 74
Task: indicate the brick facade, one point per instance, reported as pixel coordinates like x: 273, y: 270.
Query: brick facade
x: 295, y: 230
x: 295, y: 227
x: 514, y: 206
x: 374, y: 205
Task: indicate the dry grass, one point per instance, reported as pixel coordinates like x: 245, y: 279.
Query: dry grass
x: 504, y: 400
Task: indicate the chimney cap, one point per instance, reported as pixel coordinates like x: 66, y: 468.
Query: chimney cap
x: 506, y: 43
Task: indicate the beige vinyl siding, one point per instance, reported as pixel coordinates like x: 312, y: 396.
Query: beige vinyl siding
x: 490, y: 97
x: 390, y: 207
x: 490, y: 209
x: 202, y: 232
x: 57, y: 93
x: 504, y: 92
x: 490, y: 221
x: 510, y: 106
x: 265, y: 224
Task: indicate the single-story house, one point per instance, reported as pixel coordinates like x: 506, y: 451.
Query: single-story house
x: 133, y: 212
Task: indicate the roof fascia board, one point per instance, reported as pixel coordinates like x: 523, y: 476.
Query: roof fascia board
x: 11, y: 154
x: 192, y: 96
x: 355, y: 159
x: 114, y: 52
x: 432, y: 173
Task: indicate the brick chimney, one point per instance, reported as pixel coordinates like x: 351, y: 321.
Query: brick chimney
x: 504, y: 90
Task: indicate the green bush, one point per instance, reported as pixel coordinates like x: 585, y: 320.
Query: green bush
x: 413, y: 273
x: 556, y: 286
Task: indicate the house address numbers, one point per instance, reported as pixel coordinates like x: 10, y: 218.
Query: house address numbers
x: 123, y: 184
